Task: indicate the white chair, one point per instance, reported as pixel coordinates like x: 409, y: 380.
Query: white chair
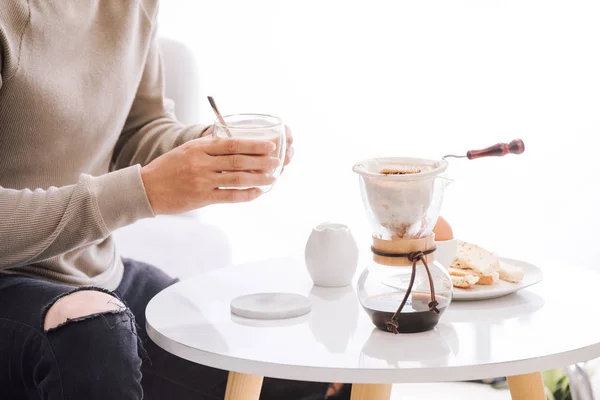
x: 182, y: 80
x: 182, y: 246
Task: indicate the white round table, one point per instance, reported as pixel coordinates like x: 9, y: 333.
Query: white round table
x: 552, y: 324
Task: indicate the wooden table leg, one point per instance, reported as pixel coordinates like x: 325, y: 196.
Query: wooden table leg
x: 243, y: 386
x: 371, y: 392
x: 527, y: 387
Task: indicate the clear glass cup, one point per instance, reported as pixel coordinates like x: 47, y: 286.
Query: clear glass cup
x: 259, y: 127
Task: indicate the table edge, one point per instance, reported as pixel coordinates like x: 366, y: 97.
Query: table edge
x: 373, y: 376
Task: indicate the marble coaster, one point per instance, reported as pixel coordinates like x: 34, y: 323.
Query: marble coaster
x: 270, y: 306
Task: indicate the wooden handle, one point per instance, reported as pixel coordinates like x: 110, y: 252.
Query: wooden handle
x: 498, y: 150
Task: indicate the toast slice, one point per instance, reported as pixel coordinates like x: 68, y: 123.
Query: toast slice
x: 477, y: 261
x: 488, y: 280
x: 464, y: 282
x: 458, y: 272
x: 462, y: 278
x: 511, y: 273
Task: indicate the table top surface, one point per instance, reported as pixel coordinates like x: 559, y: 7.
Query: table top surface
x: 549, y: 325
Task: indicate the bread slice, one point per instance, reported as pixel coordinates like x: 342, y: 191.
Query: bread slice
x: 464, y: 282
x: 458, y: 272
x: 462, y: 278
x: 490, y: 279
x: 511, y: 273
x: 477, y: 261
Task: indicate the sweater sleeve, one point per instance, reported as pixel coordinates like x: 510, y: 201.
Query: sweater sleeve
x: 151, y: 128
x: 39, y: 224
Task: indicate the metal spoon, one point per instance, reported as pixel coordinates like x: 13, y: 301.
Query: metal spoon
x: 218, y: 114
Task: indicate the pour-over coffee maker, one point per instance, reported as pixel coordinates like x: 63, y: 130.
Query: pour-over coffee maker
x: 404, y: 289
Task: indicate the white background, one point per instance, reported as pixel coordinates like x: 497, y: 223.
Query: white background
x: 388, y: 78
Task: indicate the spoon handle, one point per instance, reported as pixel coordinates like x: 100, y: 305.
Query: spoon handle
x: 498, y: 150
x: 219, y: 116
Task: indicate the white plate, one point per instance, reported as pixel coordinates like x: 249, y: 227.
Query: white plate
x: 532, y: 276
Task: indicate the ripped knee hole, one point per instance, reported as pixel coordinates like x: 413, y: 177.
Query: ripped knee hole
x: 80, y: 304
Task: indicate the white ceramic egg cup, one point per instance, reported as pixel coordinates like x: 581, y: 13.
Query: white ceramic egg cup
x: 331, y: 255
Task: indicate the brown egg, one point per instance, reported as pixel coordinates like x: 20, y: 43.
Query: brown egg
x: 443, y: 230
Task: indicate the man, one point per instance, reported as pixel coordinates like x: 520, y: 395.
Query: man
x: 88, y: 144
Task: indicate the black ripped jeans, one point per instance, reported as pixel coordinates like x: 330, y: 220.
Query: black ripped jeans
x: 105, y: 356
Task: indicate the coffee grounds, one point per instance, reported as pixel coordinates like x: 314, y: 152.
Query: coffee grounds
x: 387, y: 171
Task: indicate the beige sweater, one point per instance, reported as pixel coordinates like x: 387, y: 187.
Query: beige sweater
x: 81, y: 108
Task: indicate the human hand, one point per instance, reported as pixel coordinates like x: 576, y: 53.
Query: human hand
x: 208, y: 131
x: 189, y: 176
x: 289, y: 148
x: 289, y: 152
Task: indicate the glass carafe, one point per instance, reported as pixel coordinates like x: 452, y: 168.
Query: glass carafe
x: 404, y: 290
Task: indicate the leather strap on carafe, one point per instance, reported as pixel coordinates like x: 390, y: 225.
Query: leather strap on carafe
x: 415, y: 257
x: 397, y: 255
